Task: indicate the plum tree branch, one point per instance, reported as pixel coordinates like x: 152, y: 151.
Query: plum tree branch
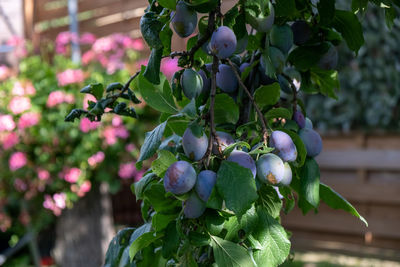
x: 250, y: 96
x: 213, y: 134
x: 294, y: 90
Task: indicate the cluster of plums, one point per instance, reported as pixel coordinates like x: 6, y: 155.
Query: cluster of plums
x: 271, y: 168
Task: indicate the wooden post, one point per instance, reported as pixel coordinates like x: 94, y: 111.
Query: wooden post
x: 74, y: 29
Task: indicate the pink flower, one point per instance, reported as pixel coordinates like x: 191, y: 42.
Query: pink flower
x: 139, y: 175
x: 86, y: 99
x: 86, y: 125
x: 50, y: 204
x: 4, y: 72
x: 169, y: 66
x: 87, y: 57
x: 109, y: 135
x: 116, y: 121
x: 130, y: 147
x: 72, y: 175
x: 43, y: 174
x: 6, y: 123
x: 127, y: 170
x: 70, y: 76
x: 19, y: 46
x: 141, y: 62
x: 28, y: 120
x: 121, y: 132
x: 17, y: 161
x: 84, y: 188
x: 9, y: 140
x: 58, y: 97
x: 104, y: 44
x: 137, y: 44
x: 18, y: 89
x: 87, y: 38
x: 96, y: 158
x: 59, y: 200
x: 19, y: 104
x: 29, y: 89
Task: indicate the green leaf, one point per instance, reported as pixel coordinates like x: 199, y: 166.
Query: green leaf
x: 278, y: 113
x: 160, y: 221
x: 170, y: 240
x: 150, y: 27
x: 229, y: 254
x: 267, y: 95
x: 143, y: 241
x: 326, y: 10
x: 327, y: 81
x: 152, y: 72
x: 228, y: 150
x: 270, y: 200
x: 155, y: 195
x: 225, y: 109
x: 349, y: 26
x: 170, y: 4
x: 214, y: 222
x: 304, y: 57
x: 215, y: 200
x: 114, y: 86
x: 359, y: 6
x: 117, y: 247
x: 309, y: 182
x: 95, y: 89
x: 152, y: 141
x: 336, y: 201
x: 285, y: 8
x: 161, y: 164
x: 158, y: 96
x: 237, y: 187
x: 273, y: 238
x: 140, y: 186
x: 166, y: 36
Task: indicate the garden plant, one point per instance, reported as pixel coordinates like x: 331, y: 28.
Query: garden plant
x: 234, y: 146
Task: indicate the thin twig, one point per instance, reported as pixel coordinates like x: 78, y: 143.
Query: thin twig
x: 259, y: 113
x: 294, y: 90
x: 213, y: 134
x: 126, y: 86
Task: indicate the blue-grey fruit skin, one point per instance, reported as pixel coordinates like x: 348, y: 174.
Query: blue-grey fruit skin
x: 244, y: 160
x: 206, y: 80
x: 308, y: 124
x: 265, y: 24
x: 224, y: 140
x: 193, y: 146
x: 277, y: 191
x: 205, y: 184
x: 184, y: 19
x: 287, y: 175
x: 226, y: 79
x: 301, y: 32
x: 284, y: 146
x: 192, y: 83
x: 223, y: 42
x: 284, y: 84
x: 270, y: 169
x: 298, y: 117
x: 330, y: 59
x: 194, y: 207
x: 243, y: 66
x: 312, y: 141
x: 281, y: 37
x: 277, y: 58
x: 180, y: 178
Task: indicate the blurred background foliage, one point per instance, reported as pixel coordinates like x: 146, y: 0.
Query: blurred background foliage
x: 369, y: 98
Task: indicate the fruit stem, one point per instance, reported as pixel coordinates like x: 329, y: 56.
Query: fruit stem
x: 294, y: 90
x: 259, y: 113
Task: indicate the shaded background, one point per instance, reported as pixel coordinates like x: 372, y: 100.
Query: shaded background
x: 361, y: 155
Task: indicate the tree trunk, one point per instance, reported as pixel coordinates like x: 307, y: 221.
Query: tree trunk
x: 83, y: 232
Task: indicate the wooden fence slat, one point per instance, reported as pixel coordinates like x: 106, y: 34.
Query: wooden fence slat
x: 371, y: 159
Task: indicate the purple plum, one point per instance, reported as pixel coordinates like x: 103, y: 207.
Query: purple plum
x: 284, y: 146
x: 205, y: 184
x: 184, y: 19
x: 270, y: 169
x: 244, y: 160
x: 312, y: 141
x: 180, y: 177
x: 223, y: 42
x: 193, y: 146
x: 194, y: 207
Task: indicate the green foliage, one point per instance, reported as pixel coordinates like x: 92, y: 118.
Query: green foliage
x: 239, y: 225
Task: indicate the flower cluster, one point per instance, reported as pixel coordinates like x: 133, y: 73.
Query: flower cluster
x: 45, y: 160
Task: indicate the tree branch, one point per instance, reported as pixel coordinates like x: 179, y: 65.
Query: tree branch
x: 259, y: 113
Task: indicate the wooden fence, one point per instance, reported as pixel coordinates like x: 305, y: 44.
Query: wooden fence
x: 366, y: 171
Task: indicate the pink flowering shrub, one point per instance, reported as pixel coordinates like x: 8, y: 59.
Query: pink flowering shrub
x: 46, y: 162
